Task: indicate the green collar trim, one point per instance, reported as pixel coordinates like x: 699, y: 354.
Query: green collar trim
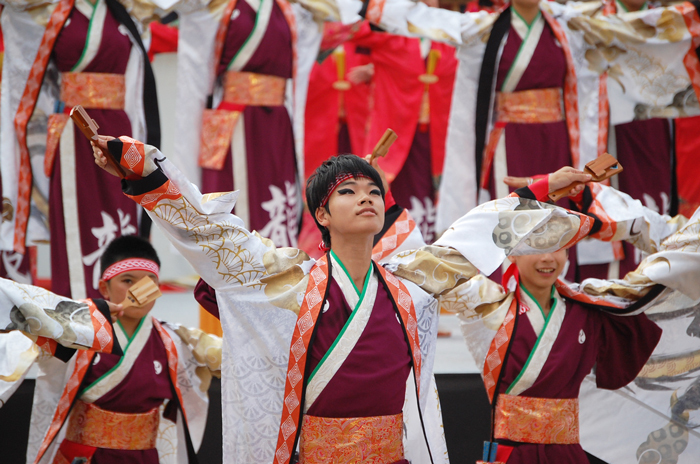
x: 91, y: 21
x: 364, y: 287
x: 530, y: 24
x: 551, y: 297
x: 348, y: 322
x: 121, y: 359
x: 539, y: 338
x: 623, y: 7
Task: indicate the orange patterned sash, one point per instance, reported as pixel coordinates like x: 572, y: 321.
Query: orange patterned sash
x: 245, y: 88
x: 394, y: 237
x: 92, y: 426
x: 82, y: 362
x: 530, y: 106
x: 537, y: 420
x: 30, y: 96
x: 294, y: 383
x: 369, y: 440
x: 93, y: 90
x: 497, y: 351
x: 407, y: 311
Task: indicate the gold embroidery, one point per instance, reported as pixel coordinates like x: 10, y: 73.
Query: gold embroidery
x: 537, y: 420
x: 370, y: 440
x: 93, y: 426
x: 531, y: 106
x: 222, y: 242
x: 245, y: 88
x: 93, y: 90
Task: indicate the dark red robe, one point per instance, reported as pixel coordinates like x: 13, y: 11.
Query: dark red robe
x: 269, y: 137
x: 94, y: 188
x: 618, y: 347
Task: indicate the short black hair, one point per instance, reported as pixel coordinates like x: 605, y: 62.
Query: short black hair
x: 324, y: 177
x: 125, y: 247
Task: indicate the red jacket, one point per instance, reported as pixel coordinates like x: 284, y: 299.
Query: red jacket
x: 398, y: 95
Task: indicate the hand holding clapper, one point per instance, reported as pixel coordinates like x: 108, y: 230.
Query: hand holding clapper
x: 89, y: 127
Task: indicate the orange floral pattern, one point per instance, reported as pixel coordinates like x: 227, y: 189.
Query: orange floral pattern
x: 57, y: 122
x: 308, y: 315
x: 537, y: 420
x: 93, y: 426
x: 93, y: 90
x: 369, y: 440
x: 217, y: 130
x: 530, y: 106
x: 497, y: 351
x: 24, y: 113
x: 246, y: 88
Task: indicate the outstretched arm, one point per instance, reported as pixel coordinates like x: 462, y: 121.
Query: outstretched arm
x: 57, y: 324
x: 416, y: 19
x: 201, y: 227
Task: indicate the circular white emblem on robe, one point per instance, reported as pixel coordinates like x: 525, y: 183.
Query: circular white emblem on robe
x: 581, y: 337
x: 326, y: 306
x: 96, y: 360
x: 158, y: 366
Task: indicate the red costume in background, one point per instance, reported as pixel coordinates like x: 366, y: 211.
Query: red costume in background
x: 400, y: 103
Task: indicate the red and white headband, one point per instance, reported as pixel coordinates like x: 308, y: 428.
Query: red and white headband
x: 130, y: 264
x: 339, y: 180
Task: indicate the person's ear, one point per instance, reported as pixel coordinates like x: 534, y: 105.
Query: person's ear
x: 323, y: 216
x: 511, y: 259
x: 104, y: 290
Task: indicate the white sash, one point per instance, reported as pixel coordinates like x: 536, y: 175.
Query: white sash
x: 251, y: 44
x: 116, y: 375
x: 74, y: 250
x: 96, y: 15
x: 349, y: 335
x: 531, y: 37
x: 547, y: 331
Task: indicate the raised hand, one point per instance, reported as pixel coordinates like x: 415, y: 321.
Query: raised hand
x: 115, y: 310
x: 100, y: 152
x: 567, y: 176
x: 375, y: 164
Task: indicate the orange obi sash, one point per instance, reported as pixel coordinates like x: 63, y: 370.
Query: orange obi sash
x: 366, y: 440
x: 530, y: 106
x: 93, y: 90
x: 245, y: 88
x: 537, y: 420
x: 92, y: 426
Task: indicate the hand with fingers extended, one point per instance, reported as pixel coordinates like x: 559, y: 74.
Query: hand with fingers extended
x: 101, y: 152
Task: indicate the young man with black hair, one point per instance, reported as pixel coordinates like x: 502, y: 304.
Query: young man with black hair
x: 149, y: 403
x: 321, y: 353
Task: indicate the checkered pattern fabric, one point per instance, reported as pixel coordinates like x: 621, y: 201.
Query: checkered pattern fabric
x: 293, y: 389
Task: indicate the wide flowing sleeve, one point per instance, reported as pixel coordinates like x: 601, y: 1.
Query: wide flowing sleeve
x: 57, y: 324
x: 416, y: 19
x: 215, y: 241
x: 620, y: 217
x: 652, y: 54
x: 625, y: 345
